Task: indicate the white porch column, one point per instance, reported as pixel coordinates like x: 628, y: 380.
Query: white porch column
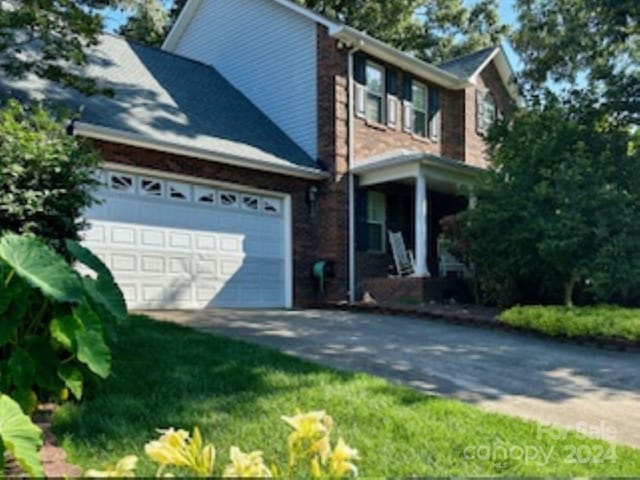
x: 421, y: 224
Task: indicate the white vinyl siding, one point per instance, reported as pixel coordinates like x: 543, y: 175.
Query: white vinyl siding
x: 268, y: 53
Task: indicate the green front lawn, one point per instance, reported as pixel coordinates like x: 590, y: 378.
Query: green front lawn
x: 604, y: 321
x: 165, y: 375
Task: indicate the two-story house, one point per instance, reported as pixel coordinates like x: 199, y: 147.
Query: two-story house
x: 264, y: 137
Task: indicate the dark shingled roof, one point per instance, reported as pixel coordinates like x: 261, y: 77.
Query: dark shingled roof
x: 168, y: 98
x: 466, y: 65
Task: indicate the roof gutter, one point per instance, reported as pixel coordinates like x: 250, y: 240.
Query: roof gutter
x: 398, y: 58
x: 136, y: 140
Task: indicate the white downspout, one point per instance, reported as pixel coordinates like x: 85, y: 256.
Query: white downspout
x: 352, y: 187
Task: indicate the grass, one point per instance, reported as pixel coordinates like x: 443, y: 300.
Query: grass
x: 165, y: 375
x: 605, y: 321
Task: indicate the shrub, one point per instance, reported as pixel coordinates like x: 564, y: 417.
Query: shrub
x: 45, y: 174
x: 55, y: 325
x: 309, y: 445
x: 605, y: 321
x: 559, y: 210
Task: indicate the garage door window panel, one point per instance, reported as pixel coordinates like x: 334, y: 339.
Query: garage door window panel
x: 228, y: 199
x: 205, y: 195
x: 122, y: 183
x: 151, y: 188
x: 179, y: 191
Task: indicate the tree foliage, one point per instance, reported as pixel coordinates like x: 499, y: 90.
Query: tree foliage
x: 559, y: 208
x: 50, y: 39
x: 45, y: 175
x: 147, y: 24
x: 593, y: 44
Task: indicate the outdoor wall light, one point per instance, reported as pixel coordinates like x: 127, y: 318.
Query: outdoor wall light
x: 312, y: 195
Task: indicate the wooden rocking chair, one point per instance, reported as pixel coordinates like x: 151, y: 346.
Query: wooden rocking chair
x: 403, y: 258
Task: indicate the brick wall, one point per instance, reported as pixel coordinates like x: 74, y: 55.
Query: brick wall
x: 333, y: 206
x: 304, y: 223
x: 372, y: 139
x: 475, y: 146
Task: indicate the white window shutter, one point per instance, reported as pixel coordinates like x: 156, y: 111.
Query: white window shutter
x: 361, y: 100
x: 407, y: 116
x: 392, y: 111
x: 435, y: 126
x: 480, y: 127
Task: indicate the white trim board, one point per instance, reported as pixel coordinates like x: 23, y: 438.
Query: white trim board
x: 135, y: 140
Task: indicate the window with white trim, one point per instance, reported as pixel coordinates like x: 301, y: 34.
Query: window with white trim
x: 228, y: 199
x: 179, y: 191
x: 122, y: 183
x: 250, y: 202
x: 271, y: 205
x: 205, y: 195
x: 490, y: 110
x: 376, y: 221
x: 375, y: 92
x: 419, y: 122
x: 150, y: 187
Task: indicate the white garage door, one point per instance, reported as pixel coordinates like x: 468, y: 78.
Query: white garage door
x: 174, y: 244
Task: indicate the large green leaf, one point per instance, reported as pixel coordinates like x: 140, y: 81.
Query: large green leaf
x: 86, y: 257
x: 72, y: 378
x: 20, y: 436
x: 105, y: 292
x: 41, y: 267
x: 92, y: 349
x: 63, y: 328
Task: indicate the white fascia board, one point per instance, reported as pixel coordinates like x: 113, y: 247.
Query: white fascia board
x: 398, y: 58
x: 400, y: 166
x: 135, y: 140
x: 191, y: 6
x: 308, y: 13
x: 506, y: 71
x: 180, y: 25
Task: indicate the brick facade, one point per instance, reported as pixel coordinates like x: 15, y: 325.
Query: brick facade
x: 333, y: 206
x: 305, y: 223
x: 475, y: 146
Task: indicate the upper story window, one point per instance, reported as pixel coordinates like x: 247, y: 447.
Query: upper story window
x: 375, y: 92
x: 419, y: 120
x: 486, y: 111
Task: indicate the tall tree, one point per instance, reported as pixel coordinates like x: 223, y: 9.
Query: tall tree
x: 451, y: 29
x: 147, y: 23
x: 590, y: 44
x: 560, y: 206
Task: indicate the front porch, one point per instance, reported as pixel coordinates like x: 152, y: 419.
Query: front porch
x: 409, y: 193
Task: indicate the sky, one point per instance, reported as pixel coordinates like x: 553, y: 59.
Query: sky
x: 507, y: 13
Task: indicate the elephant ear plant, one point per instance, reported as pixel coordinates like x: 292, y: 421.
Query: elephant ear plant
x: 55, y: 329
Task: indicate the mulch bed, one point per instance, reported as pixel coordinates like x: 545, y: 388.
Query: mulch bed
x: 54, y: 458
x: 481, y: 317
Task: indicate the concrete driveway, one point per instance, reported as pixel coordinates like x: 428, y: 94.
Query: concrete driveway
x: 567, y: 385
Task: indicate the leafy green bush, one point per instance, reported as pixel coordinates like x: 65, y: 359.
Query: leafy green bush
x: 605, y: 321
x: 558, y: 212
x: 45, y: 174
x: 55, y: 324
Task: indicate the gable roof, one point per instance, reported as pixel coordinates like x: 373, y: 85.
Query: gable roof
x: 455, y: 78
x: 467, y: 65
x: 174, y: 104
